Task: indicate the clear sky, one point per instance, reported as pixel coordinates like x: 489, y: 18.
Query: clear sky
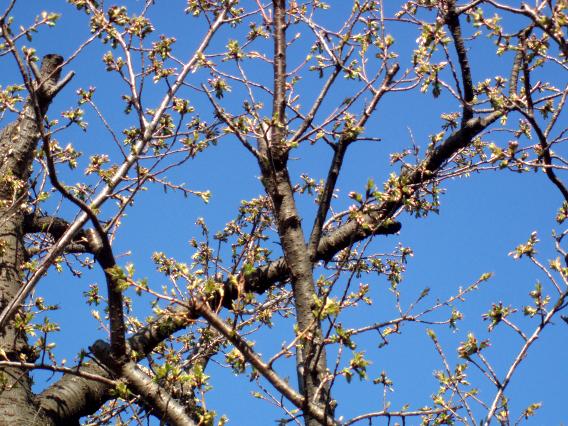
x: 482, y: 218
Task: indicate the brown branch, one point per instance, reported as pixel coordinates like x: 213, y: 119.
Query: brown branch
x: 279, y: 100
x: 73, y: 397
x: 401, y: 414
x: 103, y: 254
x: 163, y: 405
x: 529, y: 114
x: 250, y: 355
x: 311, y: 360
x: 514, y: 77
x: 56, y: 227
x: 73, y: 371
x: 119, y: 174
x: 275, y: 178
x: 337, y: 161
x: 29, y: 129
x: 453, y: 22
x: 18, y: 143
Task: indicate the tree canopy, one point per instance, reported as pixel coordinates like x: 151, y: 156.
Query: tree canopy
x: 302, y: 212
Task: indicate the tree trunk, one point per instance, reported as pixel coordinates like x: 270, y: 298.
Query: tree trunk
x: 311, y: 355
x: 18, y: 142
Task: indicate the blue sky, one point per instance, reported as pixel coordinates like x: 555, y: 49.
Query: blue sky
x: 482, y: 219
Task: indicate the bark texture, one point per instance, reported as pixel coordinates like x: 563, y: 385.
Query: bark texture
x: 311, y: 355
x: 18, y: 142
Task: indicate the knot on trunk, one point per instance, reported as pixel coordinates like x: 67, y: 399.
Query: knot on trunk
x: 50, y: 73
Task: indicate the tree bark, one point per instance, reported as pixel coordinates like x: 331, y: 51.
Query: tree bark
x: 18, y: 141
x: 273, y: 161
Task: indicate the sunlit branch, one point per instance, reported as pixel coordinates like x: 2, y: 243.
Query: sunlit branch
x: 402, y: 414
x: 454, y: 386
x: 103, y: 254
x: 156, y: 396
x: 559, y: 305
x: 118, y: 176
x: 281, y: 385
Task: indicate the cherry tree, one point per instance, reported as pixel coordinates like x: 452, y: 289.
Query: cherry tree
x: 286, y: 91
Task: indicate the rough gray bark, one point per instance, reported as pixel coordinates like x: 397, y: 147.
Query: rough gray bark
x: 156, y: 397
x: 73, y: 397
x: 273, y: 160
x: 18, y: 142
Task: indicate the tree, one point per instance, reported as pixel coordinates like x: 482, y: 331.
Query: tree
x: 297, y: 82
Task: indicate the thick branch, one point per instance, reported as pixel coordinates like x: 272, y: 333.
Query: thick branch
x: 74, y: 397
x: 311, y: 355
x: 163, y: 405
x: 56, y: 227
x: 279, y: 101
x: 453, y: 22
